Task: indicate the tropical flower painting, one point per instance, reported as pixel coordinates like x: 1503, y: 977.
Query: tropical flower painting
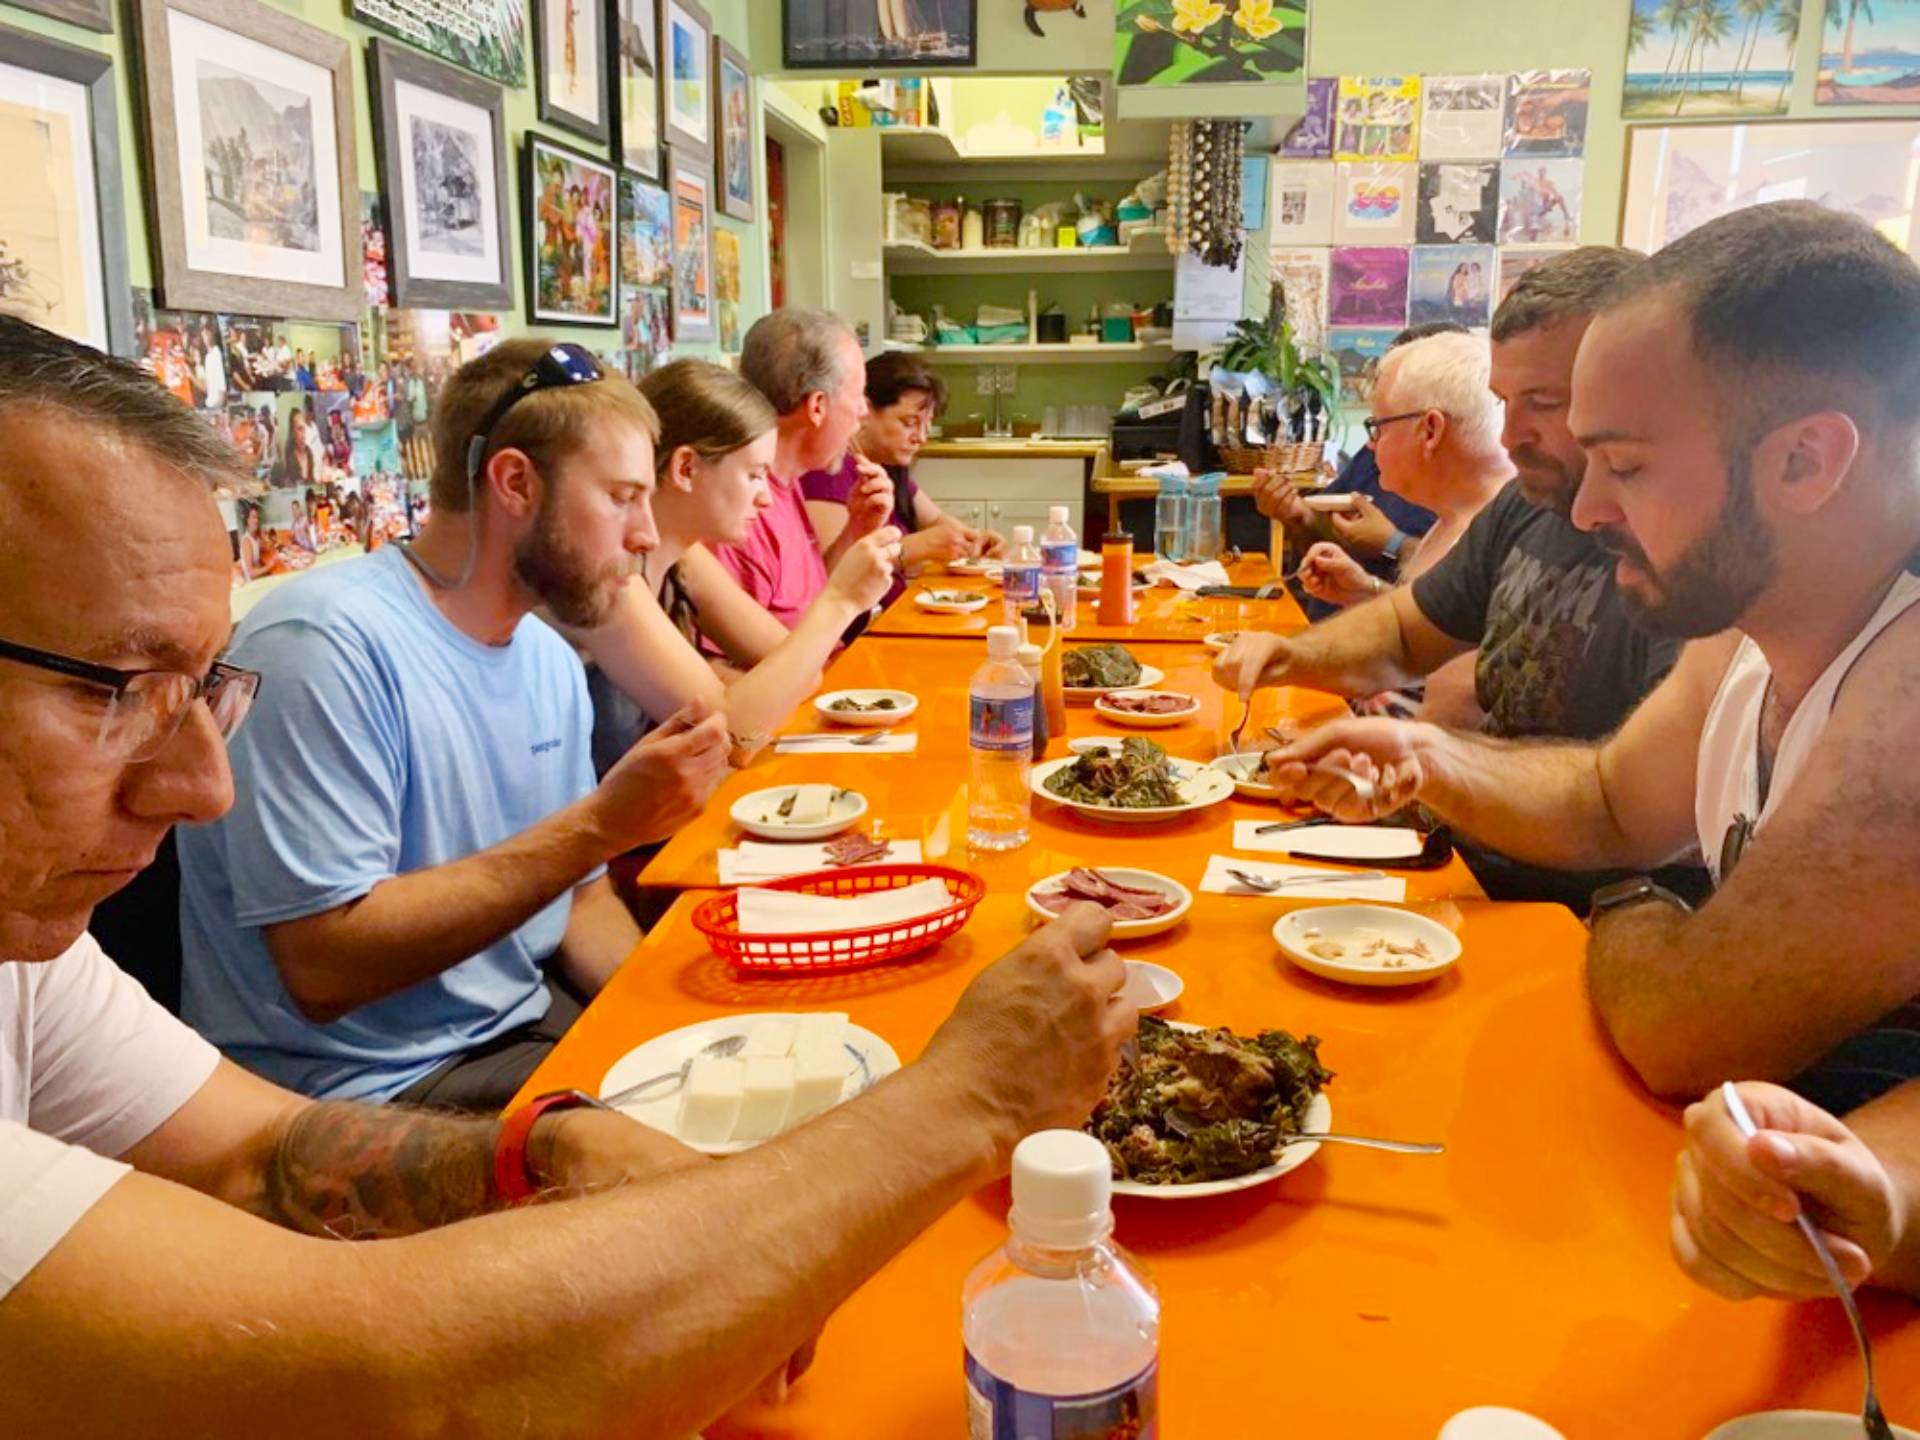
x: 1710, y: 57
x: 1208, y: 42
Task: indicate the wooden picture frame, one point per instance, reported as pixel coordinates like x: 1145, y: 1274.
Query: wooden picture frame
x: 690, y: 184
x: 453, y: 250
x: 217, y: 222
x: 686, y: 78
x: 87, y: 14
x: 635, y: 68
x: 585, y: 105
x: 560, y: 250
x: 109, y: 310
x: 732, y: 132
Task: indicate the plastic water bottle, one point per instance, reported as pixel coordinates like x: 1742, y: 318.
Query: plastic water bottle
x: 1062, y: 1326
x: 1060, y: 564
x: 1000, y: 705
x: 1170, y: 519
x: 1204, y: 535
x: 1020, y: 579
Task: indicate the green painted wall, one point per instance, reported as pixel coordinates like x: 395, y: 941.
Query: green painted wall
x: 730, y: 20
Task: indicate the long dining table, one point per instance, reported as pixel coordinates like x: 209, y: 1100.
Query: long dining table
x: 1361, y: 1295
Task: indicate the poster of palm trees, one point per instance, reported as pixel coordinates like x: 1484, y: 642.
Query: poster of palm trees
x: 1710, y: 58
x: 1870, y: 53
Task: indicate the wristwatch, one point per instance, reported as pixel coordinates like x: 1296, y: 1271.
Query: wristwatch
x: 1635, y: 891
x: 1394, y: 543
x: 513, y: 1180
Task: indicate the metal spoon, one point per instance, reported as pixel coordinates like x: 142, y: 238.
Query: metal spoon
x: 1872, y: 1419
x: 1185, y: 1123
x: 1329, y: 877
x: 721, y: 1049
x: 872, y: 737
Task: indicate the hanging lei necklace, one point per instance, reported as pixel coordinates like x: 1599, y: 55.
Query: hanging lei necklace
x: 1204, y: 189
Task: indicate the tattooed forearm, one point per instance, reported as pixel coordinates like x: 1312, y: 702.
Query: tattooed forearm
x: 366, y: 1172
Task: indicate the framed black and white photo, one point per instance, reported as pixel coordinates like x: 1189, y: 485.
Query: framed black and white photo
x: 636, y: 85
x: 686, y: 77
x: 570, y: 66
x: 249, y: 129
x: 569, y: 209
x: 443, y: 167
x: 851, y: 37
x: 733, y: 129
x: 63, y: 231
x: 87, y: 14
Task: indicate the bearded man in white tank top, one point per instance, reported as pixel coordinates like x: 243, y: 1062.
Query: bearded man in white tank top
x: 1749, y: 404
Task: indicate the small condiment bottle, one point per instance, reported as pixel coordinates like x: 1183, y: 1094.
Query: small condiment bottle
x: 1116, y: 580
x: 1033, y: 660
x: 1053, y: 681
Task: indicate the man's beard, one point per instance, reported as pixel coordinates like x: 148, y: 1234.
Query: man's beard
x: 1715, y: 582
x: 1544, y: 480
x: 575, y: 594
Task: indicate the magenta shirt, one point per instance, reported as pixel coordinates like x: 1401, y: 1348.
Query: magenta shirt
x: 779, y: 563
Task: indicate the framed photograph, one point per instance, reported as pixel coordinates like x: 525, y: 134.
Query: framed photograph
x: 63, y: 226
x: 733, y: 123
x: 686, y: 103
x: 927, y: 35
x: 87, y: 14
x: 568, y: 202
x: 249, y: 130
x: 570, y: 66
x: 488, y: 37
x: 443, y: 166
x: 727, y: 289
x: 693, y: 298
x: 646, y: 233
x: 636, y: 85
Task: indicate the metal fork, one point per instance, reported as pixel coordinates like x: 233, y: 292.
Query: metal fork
x: 1330, y: 877
x: 1872, y: 1418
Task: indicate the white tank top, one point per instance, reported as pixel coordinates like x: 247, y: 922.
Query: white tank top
x: 1729, y: 771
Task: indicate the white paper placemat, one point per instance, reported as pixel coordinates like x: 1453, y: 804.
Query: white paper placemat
x: 1391, y: 891
x: 759, y: 860
x: 1346, y: 842
x: 1186, y: 577
x: 893, y: 742
x: 787, y: 912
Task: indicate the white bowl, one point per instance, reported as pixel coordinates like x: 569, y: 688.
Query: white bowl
x: 1140, y: 880
x: 1145, y: 722
x: 1330, y: 504
x: 754, y: 813
x: 905, y: 702
x: 1150, y: 676
x: 1202, y: 786
x: 1335, y: 922
x: 1151, y: 987
x: 1798, y: 1425
x: 971, y: 605
x: 1241, y: 769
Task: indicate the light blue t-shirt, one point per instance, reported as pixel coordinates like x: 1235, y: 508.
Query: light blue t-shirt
x: 383, y: 741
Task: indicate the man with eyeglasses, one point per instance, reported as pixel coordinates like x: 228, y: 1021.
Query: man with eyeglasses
x: 1558, y: 654
x: 170, y: 1264
x: 408, y: 899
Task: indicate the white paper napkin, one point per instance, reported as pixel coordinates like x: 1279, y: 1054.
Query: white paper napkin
x: 894, y: 742
x: 1346, y: 842
x: 1187, y: 577
x: 756, y: 860
x: 1391, y: 891
x: 785, y: 912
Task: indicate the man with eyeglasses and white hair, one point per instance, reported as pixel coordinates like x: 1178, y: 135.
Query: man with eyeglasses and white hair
x: 170, y: 1264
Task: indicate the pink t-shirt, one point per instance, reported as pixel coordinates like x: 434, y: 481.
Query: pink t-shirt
x: 779, y: 563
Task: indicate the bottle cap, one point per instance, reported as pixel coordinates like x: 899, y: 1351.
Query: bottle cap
x: 1062, y: 1189
x: 1023, y: 534
x: 1057, y: 515
x: 1003, y: 643
x: 1030, y: 655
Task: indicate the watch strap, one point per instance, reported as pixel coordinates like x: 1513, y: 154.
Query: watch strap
x: 513, y: 1179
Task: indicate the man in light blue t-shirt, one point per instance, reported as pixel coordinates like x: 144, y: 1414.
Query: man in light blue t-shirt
x: 408, y: 898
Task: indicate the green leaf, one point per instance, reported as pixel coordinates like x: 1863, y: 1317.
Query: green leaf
x: 1141, y: 58
x: 1231, y: 71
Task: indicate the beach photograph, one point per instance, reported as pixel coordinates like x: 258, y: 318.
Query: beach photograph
x: 1711, y: 58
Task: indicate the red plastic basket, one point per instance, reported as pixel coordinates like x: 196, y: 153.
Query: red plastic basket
x: 719, y: 920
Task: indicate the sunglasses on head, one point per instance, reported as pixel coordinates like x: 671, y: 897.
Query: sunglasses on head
x: 561, y: 366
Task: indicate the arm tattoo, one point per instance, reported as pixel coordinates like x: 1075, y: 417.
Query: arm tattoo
x: 368, y: 1172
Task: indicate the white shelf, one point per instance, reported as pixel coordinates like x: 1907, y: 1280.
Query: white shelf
x: 919, y: 145
x: 1146, y: 251
x: 1133, y: 354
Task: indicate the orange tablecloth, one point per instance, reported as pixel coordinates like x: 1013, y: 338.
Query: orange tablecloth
x: 1160, y: 614
x: 1366, y: 1295
x: 923, y: 796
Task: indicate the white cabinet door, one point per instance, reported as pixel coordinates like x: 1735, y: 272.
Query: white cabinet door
x: 1003, y: 515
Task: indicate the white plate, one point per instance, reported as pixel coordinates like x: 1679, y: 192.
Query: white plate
x: 1330, y: 504
x: 1151, y: 987
x: 1221, y: 641
x: 904, y: 703
x: 971, y: 605
x: 1336, y: 921
x: 1140, y: 880
x: 750, y: 812
x: 1202, y: 786
x: 869, y: 1057
x: 980, y: 565
x: 1150, y: 676
x: 1145, y: 722
x: 1798, y: 1425
x: 1240, y: 769
x: 1089, y: 560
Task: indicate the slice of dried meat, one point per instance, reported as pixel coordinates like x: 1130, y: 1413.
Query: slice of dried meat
x: 857, y: 850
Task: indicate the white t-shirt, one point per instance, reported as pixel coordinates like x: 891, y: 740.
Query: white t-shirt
x: 89, y: 1067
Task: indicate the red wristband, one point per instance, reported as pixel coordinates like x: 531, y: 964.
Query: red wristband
x: 513, y: 1181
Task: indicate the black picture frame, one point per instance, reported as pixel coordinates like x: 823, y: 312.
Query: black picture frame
x: 530, y: 222
x: 853, y: 60
x: 390, y: 64
x: 87, y: 14
x: 95, y: 73
x: 596, y: 13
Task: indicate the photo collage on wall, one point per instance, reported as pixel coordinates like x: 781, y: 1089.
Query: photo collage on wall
x: 1405, y: 200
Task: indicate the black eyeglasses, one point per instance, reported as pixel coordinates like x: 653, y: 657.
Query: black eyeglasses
x: 1374, y: 427
x: 149, y: 706
x: 561, y: 366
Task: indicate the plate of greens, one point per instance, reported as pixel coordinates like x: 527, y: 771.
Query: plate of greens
x: 1136, y: 784
x: 874, y: 709
x: 1089, y: 671
x: 1203, y: 1111
x: 950, y: 602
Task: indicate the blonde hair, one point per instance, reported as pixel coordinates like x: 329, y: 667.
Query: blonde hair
x: 705, y: 408
x: 1450, y: 373
x: 547, y: 426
